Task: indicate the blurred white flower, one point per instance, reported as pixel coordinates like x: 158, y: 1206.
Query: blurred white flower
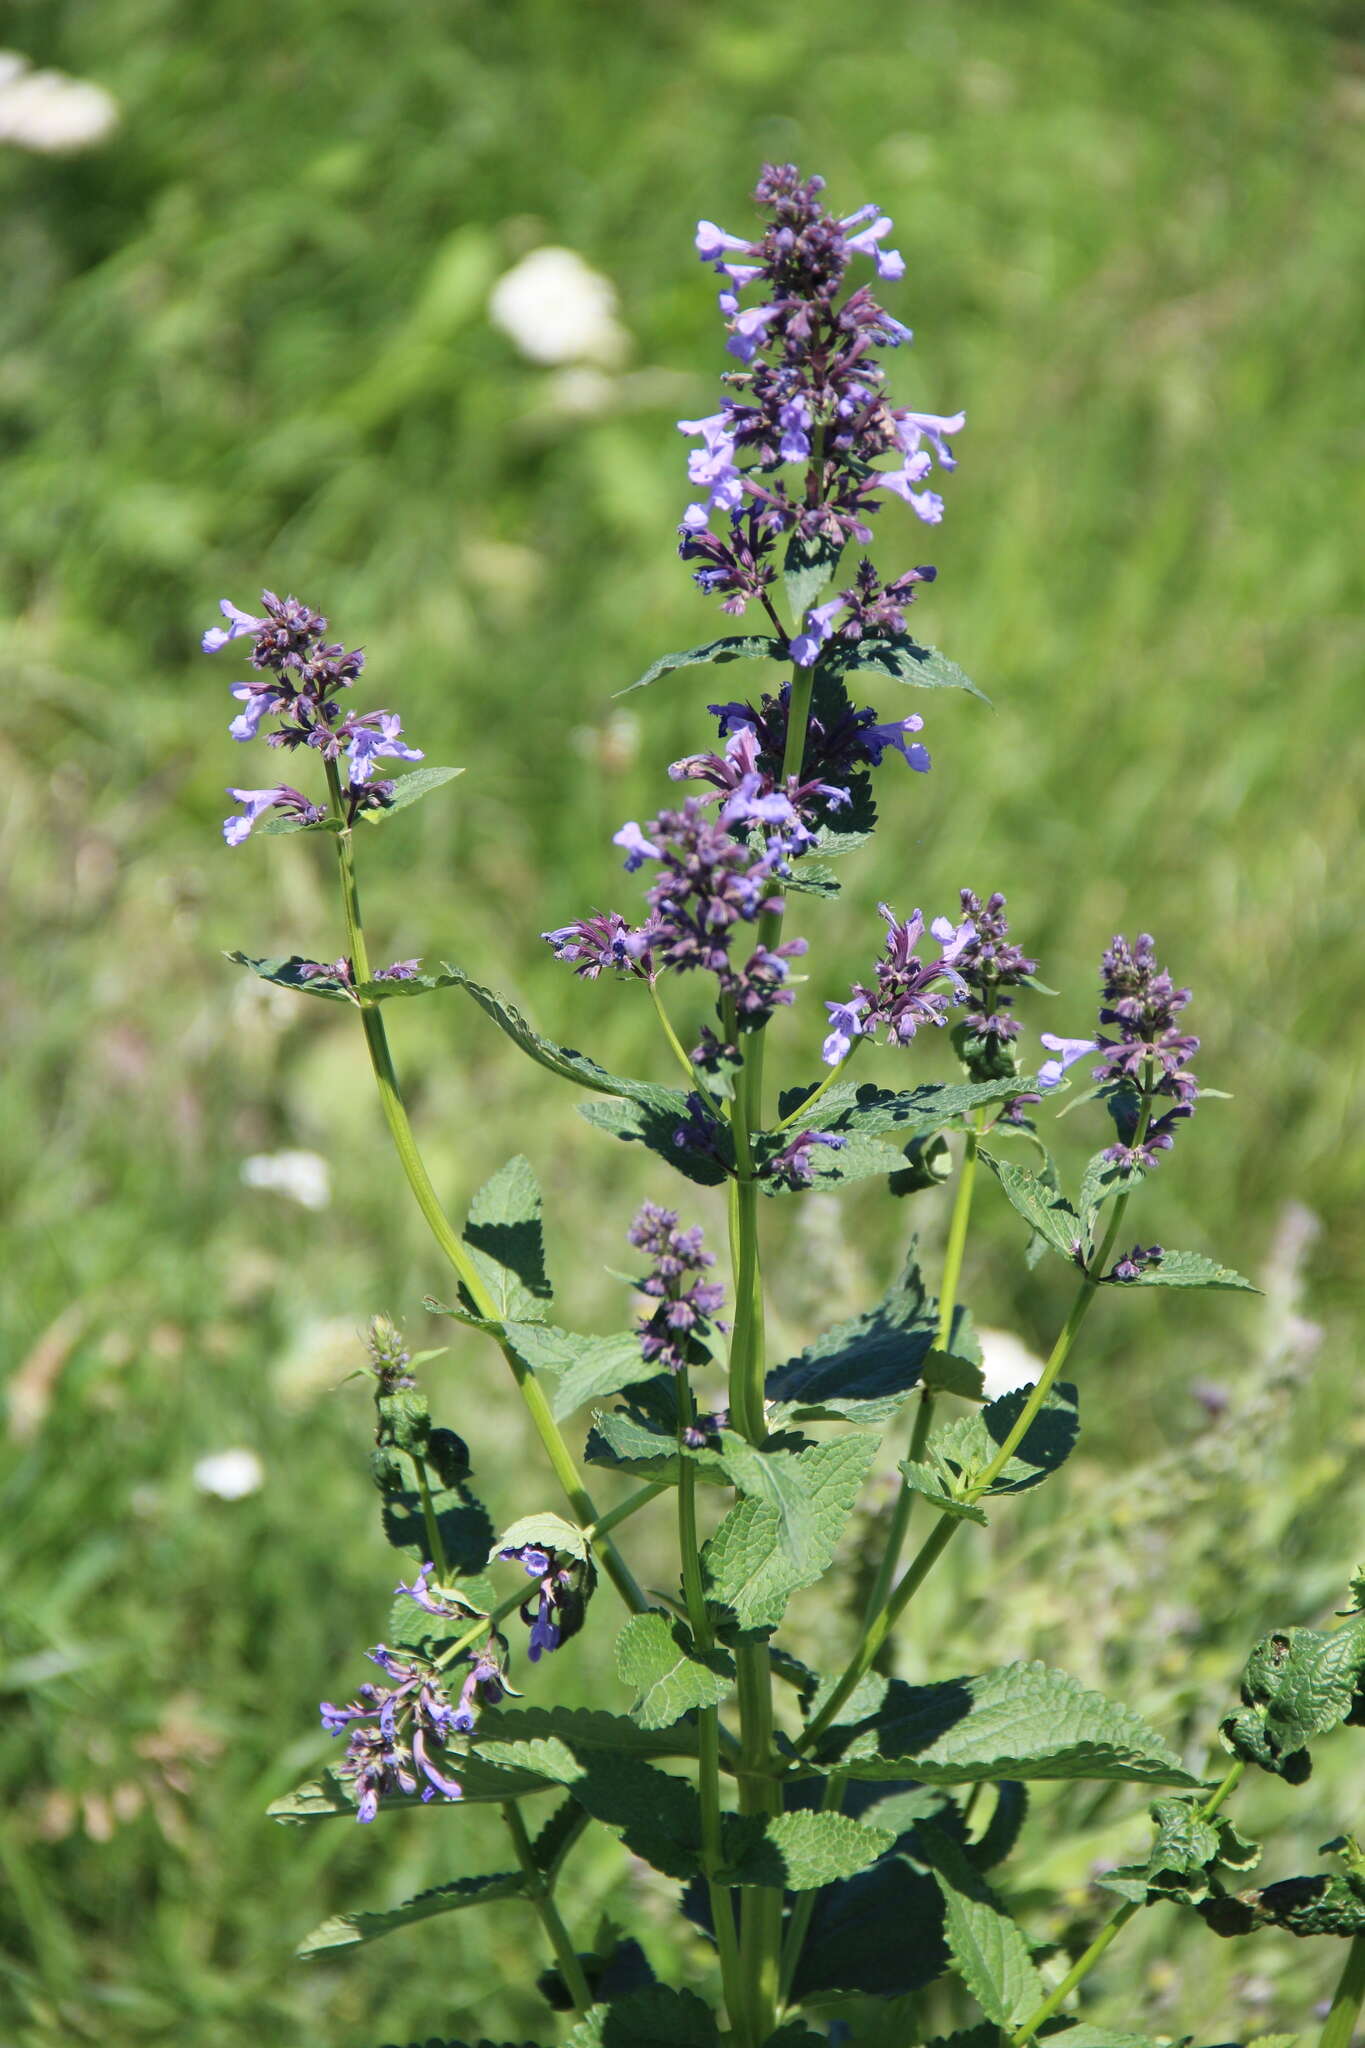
x: 230, y: 1475
x: 1006, y: 1363
x: 558, y: 310
x: 49, y: 112
x: 302, y: 1176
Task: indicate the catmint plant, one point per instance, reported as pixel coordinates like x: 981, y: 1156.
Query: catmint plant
x: 837, y: 1837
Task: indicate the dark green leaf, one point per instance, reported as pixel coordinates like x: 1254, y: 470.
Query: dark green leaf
x: 346, y: 1930
x: 418, y: 782
x: 864, y: 1369
x: 766, y: 1547
x: 556, y: 1059
x: 993, y: 1958
x: 908, y: 1113
x: 655, y: 1122
x: 1298, y: 1683
x: 658, y: 1816
x: 798, y: 1852
x: 1102, y: 1180
x: 1020, y: 1721
x: 507, y: 1242
x: 1047, y: 1213
x: 898, y: 655
x: 670, y: 1675
x: 1191, y: 1269
x: 880, y: 1932
x: 655, y: 2017
x: 859, y: 1158
x: 1011, y: 1809
x: 810, y: 878
x: 642, y: 1437
x: 558, y: 1836
x: 807, y: 567
x: 542, y: 1532
x: 966, y: 1447
x: 582, y: 1368
x: 466, y: 1530
x: 276, y: 828
x: 1302, y: 1905
x: 733, y: 647
x: 289, y: 974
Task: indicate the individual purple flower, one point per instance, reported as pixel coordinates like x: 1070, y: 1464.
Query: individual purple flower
x: 805, y: 648
x: 910, y: 992
x: 845, y: 1025
x: 256, y: 802
x: 1135, y: 1263
x: 673, y: 1333
x: 238, y: 624
x: 1068, y: 1051
x: 375, y: 736
x: 914, y: 427
x: 637, y: 848
x: 591, y: 944
x: 792, y: 1167
x: 563, y: 1587
x: 398, y: 970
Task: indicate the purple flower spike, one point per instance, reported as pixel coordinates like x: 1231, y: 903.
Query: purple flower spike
x: 1146, y: 1064
x: 685, y: 1313
x: 399, y: 1731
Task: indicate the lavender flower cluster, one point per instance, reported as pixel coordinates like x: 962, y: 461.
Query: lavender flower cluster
x: 810, y: 392
x: 910, y: 992
x: 300, y: 676
x: 399, y: 1732
x: 685, y: 1312
x: 561, y: 1597
x: 1146, y: 1062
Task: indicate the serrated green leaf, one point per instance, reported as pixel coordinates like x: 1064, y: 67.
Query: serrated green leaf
x: 847, y: 1946
x: 862, y: 1370
x: 1086, y: 2036
x: 658, y: 1816
x: 558, y: 1836
x: 896, y: 654
x: 460, y: 1515
x: 858, y: 1158
x: 1303, y: 1682
x: 562, y: 1060
x: 932, y: 1485
x: 288, y: 974
x: 809, y: 877
x: 579, y: 1369
x: 993, y: 1958
x: 1000, y: 1836
x: 864, y: 1107
x: 642, y: 1437
x: 542, y: 1532
x: 798, y: 1852
x: 1020, y: 1721
x: 315, y: 1799
x: 766, y: 1548
x: 654, y: 1124
x: 506, y: 1241
x: 670, y: 1675
x: 1191, y: 1269
x: 1102, y: 1180
x: 407, y: 789
x: 1047, y: 1213
x: 347, y: 1930
x: 1303, y: 1906
x: 966, y: 1447
x: 808, y: 565
x: 731, y: 647
x: 654, y: 2017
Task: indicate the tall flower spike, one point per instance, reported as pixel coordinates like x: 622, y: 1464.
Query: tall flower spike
x: 810, y: 392
x: 1146, y: 1060
x: 672, y: 1333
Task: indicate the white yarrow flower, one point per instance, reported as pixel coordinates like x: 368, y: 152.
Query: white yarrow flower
x: 302, y: 1176
x: 230, y: 1475
x: 51, y: 113
x: 558, y: 310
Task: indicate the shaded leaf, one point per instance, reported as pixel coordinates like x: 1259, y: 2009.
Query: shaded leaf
x: 670, y: 1675
x: 641, y: 1437
x: 934, y: 1487
x: 766, y: 1547
x: 655, y: 2017
x: 896, y: 654
x: 558, y: 1836
x: 657, y: 1816
x: 993, y: 1958
x: 346, y: 1930
x: 408, y: 788
x: 1000, y: 1836
x: 966, y: 1447
x: 862, y: 1370
x: 908, y: 1112
x: 732, y: 647
x: 807, y: 567
x: 581, y: 1369
x: 542, y: 1532
x: 1020, y: 1721
x: 1047, y: 1212
x: 798, y: 1852
x: 507, y: 1242
x: 859, y: 1158
x: 1191, y: 1269
x: 654, y: 1122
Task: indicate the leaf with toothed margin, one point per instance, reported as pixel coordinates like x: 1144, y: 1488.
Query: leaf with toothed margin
x: 1049, y: 1214
x: 798, y: 1852
x: 992, y: 1955
x: 966, y: 1446
x: 276, y: 828
x: 862, y: 1370
x: 507, y: 1243
x: 733, y: 647
x: 898, y: 655
x: 783, y: 1534
x: 669, y: 1673
x: 1191, y: 1269
x: 807, y: 877
x: 1022, y: 1721
x: 408, y: 789
x: 908, y: 1113
x: 556, y: 1059
x: 641, y: 1437
x: 657, y: 1815
x: 857, y: 1158
x: 289, y: 974
x: 348, y: 1930
x: 541, y: 1532
x: 652, y: 1121
x: 653, y: 2017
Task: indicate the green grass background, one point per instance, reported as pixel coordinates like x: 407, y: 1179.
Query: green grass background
x: 247, y: 342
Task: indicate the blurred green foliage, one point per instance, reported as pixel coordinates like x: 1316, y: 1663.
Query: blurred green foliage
x: 247, y: 341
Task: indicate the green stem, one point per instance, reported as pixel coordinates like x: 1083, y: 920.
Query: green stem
x: 1339, y: 2031
x: 454, y: 1248
x: 924, y: 1414
x: 760, y: 1926
x: 676, y: 1047
x: 708, y: 1734
x: 541, y: 1897
x: 1110, y: 1933
x: 436, y: 1548
x: 803, y: 1109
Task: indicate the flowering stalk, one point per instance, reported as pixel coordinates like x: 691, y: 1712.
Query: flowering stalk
x: 418, y: 1179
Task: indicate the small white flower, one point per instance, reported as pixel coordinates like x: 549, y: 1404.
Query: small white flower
x: 559, y: 310
x: 51, y: 113
x: 230, y: 1475
x: 1006, y: 1363
x: 302, y: 1176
